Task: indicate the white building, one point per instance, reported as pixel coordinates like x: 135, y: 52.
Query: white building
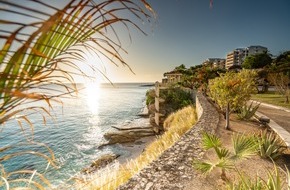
x: 237, y: 56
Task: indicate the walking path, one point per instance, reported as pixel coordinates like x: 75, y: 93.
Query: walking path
x: 279, y: 119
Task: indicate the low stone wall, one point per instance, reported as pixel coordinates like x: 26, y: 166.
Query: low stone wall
x: 174, y: 167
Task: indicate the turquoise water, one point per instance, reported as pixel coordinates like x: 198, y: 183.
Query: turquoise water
x: 76, y: 131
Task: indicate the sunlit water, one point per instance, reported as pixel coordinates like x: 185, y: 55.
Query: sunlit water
x: 77, y: 130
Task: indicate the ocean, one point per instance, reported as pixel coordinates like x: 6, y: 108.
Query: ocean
x: 76, y: 130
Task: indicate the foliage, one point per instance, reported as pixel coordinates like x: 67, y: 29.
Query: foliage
x: 176, y: 97
x: 243, y: 147
x: 150, y: 97
x: 232, y: 90
x: 279, y: 74
x: 281, y: 82
x: 43, y: 53
x: 247, y: 112
x: 274, y: 182
x: 198, y: 76
x: 281, y: 63
x: 269, y: 145
x: 246, y: 183
x: 257, y: 61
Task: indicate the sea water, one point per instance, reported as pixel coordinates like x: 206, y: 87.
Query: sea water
x: 75, y: 131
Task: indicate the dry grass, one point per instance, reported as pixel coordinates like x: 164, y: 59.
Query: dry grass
x: 112, y: 177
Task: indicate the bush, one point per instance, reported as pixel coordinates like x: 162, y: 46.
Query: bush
x: 150, y: 97
x: 176, y: 97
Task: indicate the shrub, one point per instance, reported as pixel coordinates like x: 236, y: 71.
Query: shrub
x: 150, y: 97
x: 176, y: 97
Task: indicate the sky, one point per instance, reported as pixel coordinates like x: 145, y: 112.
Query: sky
x: 189, y: 31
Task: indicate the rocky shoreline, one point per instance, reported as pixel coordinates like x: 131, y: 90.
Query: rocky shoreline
x: 133, y: 138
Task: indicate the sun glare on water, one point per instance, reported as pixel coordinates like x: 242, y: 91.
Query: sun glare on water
x: 93, y: 91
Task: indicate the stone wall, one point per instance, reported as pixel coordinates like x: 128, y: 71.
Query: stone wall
x: 173, y: 169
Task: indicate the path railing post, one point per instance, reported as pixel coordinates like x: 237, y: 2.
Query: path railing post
x: 157, y: 88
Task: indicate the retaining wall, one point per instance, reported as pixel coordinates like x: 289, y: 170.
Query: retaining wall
x: 174, y: 167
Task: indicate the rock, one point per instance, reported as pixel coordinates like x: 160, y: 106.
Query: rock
x: 264, y: 119
x: 148, y: 186
x: 127, y: 135
x: 103, y: 161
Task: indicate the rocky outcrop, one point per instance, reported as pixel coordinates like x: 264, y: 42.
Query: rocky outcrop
x: 101, y: 162
x: 130, y: 135
x: 174, y: 167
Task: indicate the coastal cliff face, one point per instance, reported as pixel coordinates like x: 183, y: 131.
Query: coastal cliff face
x: 174, y: 167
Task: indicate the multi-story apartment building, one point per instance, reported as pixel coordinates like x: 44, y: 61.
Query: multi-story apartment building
x: 215, y: 62
x: 237, y: 56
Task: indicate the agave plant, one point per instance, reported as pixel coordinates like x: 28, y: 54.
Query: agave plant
x: 269, y: 145
x: 44, y: 46
x: 273, y: 182
x: 247, y: 112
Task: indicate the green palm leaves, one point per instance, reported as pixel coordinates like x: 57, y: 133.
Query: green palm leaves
x: 243, y: 146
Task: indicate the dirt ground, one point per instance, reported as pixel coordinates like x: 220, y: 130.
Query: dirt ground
x: 253, y: 166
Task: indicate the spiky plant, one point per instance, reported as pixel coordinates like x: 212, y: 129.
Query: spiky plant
x: 247, y: 112
x: 274, y: 181
x: 269, y: 145
x: 44, y: 46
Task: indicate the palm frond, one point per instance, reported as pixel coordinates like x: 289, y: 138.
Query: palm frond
x: 244, y: 146
x: 222, y: 153
x: 224, y: 164
x: 210, y: 141
x: 204, y: 167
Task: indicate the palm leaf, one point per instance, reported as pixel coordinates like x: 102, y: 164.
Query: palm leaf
x: 204, y: 167
x: 210, y: 141
x: 244, y: 146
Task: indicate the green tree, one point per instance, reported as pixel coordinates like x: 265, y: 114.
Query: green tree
x: 45, y: 50
x: 197, y: 77
x: 260, y: 62
x: 279, y: 74
x: 257, y: 61
x: 232, y: 90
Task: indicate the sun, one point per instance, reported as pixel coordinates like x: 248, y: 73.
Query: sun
x: 92, y: 94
